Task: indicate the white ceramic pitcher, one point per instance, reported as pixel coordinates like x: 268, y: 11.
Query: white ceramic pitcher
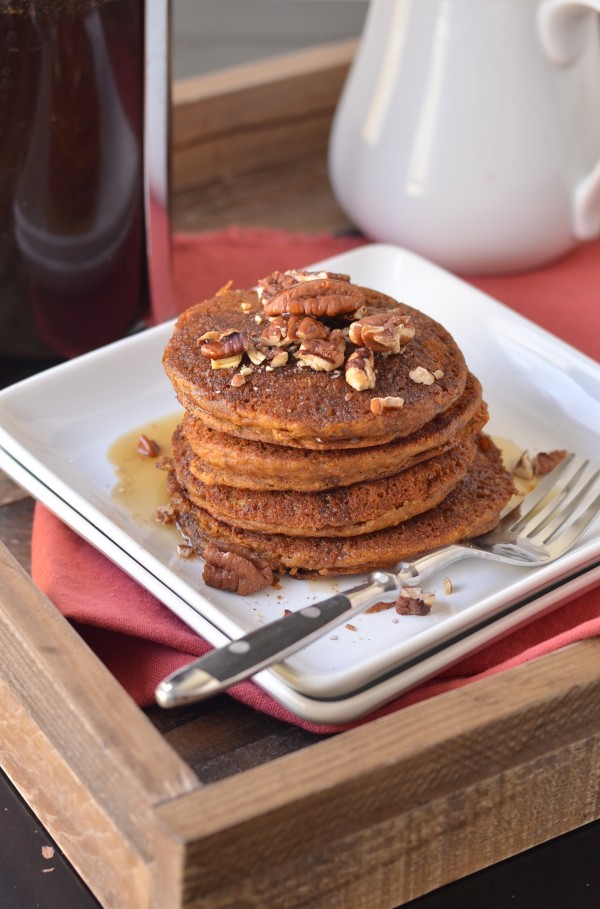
x: 469, y: 130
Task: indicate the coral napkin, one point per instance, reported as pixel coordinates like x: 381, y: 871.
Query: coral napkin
x: 140, y: 640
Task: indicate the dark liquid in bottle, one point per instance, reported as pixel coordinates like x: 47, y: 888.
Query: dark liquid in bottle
x: 73, y: 270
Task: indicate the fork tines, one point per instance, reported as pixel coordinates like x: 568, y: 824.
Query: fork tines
x: 563, y: 504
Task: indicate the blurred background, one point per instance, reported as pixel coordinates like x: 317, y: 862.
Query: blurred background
x: 214, y: 34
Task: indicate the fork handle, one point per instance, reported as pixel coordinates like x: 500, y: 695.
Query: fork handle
x: 225, y: 666
x: 419, y: 570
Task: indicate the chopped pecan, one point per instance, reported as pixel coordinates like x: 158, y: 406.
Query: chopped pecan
x: 165, y: 514
x: 224, y: 346
x: 422, y: 376
x: 379, y: 405
x: 529, y: 466
x: 524, y: 467
x: 233, y: 568
x: 277, y: 358
x: 323, y: 355
x: 256, y: 355
x: 288, y: 329
x: 147, y: 447
x: 359, y: 369
x: 319, y: 297
x: 238, y: 380
x: 414, y: 601
x: 545, y: 461
x: 384, y: 331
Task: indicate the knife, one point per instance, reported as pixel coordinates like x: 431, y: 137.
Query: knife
x: 225, y: 666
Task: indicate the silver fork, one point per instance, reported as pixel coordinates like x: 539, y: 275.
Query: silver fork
x: 544, y: 526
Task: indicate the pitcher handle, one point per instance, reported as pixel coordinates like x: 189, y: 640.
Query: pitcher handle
x: 562, y: 28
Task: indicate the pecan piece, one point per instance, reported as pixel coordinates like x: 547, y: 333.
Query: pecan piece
x: 384, y: 331
x: 288, y: 329
x: 255, y: 355
x: 379, y: 405
x: 530, y: 466
x: 276, y: 358
x: 545, y: 461
x: 165, y: 514
x: 324, y: 356
x: 224, y: 346
x: 414, y: 601
x: 359, y: 369
x: 421, y: 376
x: 147, y: 447
x: 233, y: 568
x: 319, y: 297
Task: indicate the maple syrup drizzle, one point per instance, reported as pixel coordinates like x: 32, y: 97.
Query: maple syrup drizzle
x: 140, y: 486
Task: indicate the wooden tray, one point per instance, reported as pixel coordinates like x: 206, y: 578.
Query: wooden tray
x: 370, y: 818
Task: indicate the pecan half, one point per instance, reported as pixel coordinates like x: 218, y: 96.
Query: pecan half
x: 379, y: 405
x: 278, y: 280
x: 288, y: 329
x: 226, y: 344
x: 359, y: 369
x: 321, y: 355
x: 233, y: 568
x: 384, y: 331
x: 319, y: 297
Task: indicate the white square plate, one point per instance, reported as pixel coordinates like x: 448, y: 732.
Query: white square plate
x: 56, y: 429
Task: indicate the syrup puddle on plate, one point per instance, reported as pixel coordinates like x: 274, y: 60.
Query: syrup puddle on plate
x: 140, y: 486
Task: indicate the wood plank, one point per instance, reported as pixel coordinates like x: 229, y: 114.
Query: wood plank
x: 389, y: 811
x: 257, y: 115
x: 9, y: 491
x: 296, y: 196
x: 84, y: 756
x: 16, y: 517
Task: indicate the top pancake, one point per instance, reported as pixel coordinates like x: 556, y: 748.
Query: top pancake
x: 297, y: 406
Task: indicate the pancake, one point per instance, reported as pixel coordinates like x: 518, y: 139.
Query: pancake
x: 346, y: 511
x: 297, y: 406
x: 472, y: 508
x: 222, y: 458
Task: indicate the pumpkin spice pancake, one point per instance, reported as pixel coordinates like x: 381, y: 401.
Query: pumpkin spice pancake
x: 221, y: 458
x: 345, y: 511
x: 473, y: 507
x: 313, y: 361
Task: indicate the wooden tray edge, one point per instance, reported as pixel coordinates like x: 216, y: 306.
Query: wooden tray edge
x: 80, y: 751
x: 455, y: 765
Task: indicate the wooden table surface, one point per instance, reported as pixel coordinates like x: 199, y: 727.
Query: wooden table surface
x: 223, y: 738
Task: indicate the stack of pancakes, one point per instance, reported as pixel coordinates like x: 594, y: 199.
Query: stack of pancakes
x: 329, y: 429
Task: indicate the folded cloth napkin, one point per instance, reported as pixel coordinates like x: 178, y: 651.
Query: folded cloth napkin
x: 141, y: 641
